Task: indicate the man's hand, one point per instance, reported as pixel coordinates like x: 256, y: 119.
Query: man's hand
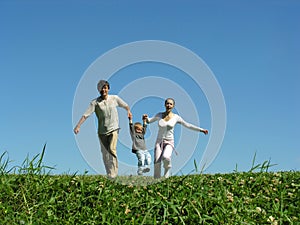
x: 76, y: 129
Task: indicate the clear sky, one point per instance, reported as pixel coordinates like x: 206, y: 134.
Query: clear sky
x: 251, y: 47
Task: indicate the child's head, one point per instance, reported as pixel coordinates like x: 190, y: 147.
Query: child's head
x: 138, y: 127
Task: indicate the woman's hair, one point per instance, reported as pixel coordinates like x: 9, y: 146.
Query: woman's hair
x: 171, y: 100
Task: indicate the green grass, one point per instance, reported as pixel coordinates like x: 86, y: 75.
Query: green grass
x: 30, y: 195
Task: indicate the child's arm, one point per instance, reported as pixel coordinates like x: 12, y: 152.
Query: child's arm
x: 144, y: 124
x: 130, y: 124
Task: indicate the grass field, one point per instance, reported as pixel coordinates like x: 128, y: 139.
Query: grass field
x: 30, y: 195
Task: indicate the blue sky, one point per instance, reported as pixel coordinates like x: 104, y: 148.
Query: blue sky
x: 252, y: 48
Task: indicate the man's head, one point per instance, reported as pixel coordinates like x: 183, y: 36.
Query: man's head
x: 103, y: 88
x: 101, y: 84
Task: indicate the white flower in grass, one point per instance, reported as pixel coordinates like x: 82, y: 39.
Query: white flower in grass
x: 229, y: 196
x: 258, y: 209
x: 272, y: 220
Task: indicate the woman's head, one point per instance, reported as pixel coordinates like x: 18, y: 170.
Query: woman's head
x: 169, y: 103
x: 170, y: 100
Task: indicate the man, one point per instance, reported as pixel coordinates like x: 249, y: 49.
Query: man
x: 105, y: 108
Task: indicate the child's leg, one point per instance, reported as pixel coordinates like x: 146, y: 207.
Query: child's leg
x: 147, y: 161
x: 141, y: 158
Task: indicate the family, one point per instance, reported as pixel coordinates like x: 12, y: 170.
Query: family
x: 105, y: 108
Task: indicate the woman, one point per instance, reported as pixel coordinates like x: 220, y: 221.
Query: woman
x: 165, y: 139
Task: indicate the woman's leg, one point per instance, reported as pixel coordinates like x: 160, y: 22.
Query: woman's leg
x: 166, y: 157
x: 157, y: 160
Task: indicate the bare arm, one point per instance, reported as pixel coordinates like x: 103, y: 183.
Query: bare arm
x: 191, y: 126
x: 153, y: 119
x: 77, y: 127
x: 129, y: 114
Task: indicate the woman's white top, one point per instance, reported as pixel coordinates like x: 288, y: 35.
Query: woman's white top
x: 166, y: 128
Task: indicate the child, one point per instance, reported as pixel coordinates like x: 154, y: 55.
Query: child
x: 137, y: 132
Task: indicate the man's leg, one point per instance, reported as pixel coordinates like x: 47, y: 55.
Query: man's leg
x: 113, y: 139
x: 109, y: 153
x: 104, y: 150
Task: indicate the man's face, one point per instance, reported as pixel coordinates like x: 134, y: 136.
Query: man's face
x: 104, y: 90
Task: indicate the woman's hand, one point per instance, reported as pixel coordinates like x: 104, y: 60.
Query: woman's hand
x: 205, y: 132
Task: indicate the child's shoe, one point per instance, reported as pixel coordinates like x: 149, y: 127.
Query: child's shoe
x: 140, y: 171
x: 146, y: 170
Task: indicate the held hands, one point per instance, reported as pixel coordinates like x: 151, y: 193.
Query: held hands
x: 145, y: 117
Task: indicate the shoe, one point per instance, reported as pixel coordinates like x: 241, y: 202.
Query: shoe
x: 140, y: 172
x: 146, y: 170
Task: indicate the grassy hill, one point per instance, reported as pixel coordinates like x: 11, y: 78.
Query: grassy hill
x: 35, y: 197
